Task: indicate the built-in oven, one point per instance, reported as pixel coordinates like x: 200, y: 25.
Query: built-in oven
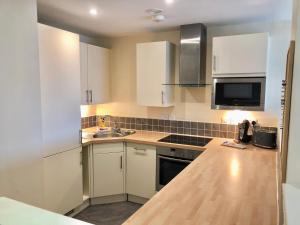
x: 239, y: 93
x: 170, y: 162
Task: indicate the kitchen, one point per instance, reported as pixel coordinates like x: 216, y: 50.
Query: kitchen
x: 63, y: 79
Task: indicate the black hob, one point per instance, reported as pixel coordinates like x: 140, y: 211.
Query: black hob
x: 186, y: 140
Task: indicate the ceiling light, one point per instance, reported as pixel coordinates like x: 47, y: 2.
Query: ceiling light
x: 93, y: 12
x: 169, y: 1
x: 158, y: 18
x: 154, y: 12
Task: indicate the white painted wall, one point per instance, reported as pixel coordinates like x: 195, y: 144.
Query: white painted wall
x: 20, y: 103
x: 193, y: 103
x: 293, y: 164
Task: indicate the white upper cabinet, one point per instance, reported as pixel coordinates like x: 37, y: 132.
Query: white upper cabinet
x: 60, y: 89
x: 154, y: 69
x: 240, y: 55
x: 85, y: 98
x: 95, y: 79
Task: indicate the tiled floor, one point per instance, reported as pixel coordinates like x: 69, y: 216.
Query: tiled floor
x: 108, y: 214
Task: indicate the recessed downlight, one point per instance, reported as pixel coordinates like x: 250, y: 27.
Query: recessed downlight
x: 158, y: 18
x: 169, y: 2
x: 153, y: 12
x: 93, y: 12
x: 156, y: 14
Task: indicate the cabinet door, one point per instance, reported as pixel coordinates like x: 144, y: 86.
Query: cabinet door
x: 60, y: 89
x: 153, y: 70
x: 108, y: 173
x: 98, y: 74
x: 63, y: 181
x: 84, y: 73
x: 240, y: 54
x: 141, y: 170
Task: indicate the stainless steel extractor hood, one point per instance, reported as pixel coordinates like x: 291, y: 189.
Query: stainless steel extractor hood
x: 193, y: 41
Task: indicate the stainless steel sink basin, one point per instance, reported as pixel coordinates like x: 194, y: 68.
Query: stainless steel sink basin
x: 114, y: 133
x: 107, y: 135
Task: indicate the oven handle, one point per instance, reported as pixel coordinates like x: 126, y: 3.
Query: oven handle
x: 175, y: 160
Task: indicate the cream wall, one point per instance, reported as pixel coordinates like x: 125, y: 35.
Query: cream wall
x: 20, y: 115
x: 193, y: 103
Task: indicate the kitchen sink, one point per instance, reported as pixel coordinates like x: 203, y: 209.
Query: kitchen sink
x: 107, y: 135
x: 114, y: 133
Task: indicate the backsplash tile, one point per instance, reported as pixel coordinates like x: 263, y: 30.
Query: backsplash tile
x: 87, y: 122
x: 169, y: 126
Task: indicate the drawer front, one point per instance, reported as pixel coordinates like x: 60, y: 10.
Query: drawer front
x: 140, y: 147
x: 108, y: 148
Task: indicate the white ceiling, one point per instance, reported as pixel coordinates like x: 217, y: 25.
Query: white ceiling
x: 124, y: 17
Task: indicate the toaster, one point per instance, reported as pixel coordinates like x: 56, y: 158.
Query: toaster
x: 264, y: 138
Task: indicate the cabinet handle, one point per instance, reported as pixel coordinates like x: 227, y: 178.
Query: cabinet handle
x: 80, y: 136
x: 80, y: 158
x: 175, y: 160
x: 121, y: 162
x: 91, y: 95
x: 87, y: 96
x: 162, y: 97
x: 214, y: 63
x: 139, y: 149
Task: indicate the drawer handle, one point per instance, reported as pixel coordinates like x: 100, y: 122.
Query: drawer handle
x: 175, y: 160
x: 139, y: 149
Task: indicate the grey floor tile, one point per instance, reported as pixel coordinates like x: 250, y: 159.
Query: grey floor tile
x: 108, y: 214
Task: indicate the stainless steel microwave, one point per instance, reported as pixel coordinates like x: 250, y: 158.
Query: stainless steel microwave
x: 239, y: 93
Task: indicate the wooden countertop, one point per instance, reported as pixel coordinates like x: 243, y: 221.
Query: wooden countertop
x: 140, y: 137
x: 223, y: 186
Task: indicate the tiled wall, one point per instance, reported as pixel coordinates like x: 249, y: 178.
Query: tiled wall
x: 174, y: 126
x: 169, y: 126
x: 90, y: 121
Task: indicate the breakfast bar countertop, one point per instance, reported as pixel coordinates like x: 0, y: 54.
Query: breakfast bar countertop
x: 223, y: 186
x: 13, y: 212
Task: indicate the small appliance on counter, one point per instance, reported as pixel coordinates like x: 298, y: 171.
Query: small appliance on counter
x: 245, y: 131
x: 258, y: 136
x: 264, y: 138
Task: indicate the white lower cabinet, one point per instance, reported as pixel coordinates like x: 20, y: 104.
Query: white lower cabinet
x: 141, y: 170
x: 63, y: 181
x: 108, y: 169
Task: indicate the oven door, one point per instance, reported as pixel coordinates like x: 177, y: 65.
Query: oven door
x: 168, y: 168
x: 239, y: 93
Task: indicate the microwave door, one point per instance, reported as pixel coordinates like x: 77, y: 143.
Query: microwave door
x: 238, y: 93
